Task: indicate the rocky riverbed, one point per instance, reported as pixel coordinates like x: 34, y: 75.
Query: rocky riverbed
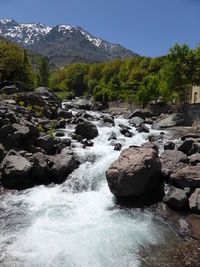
x: 56, y: 206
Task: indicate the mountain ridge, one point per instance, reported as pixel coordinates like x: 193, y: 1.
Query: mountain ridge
x: 63, y: 44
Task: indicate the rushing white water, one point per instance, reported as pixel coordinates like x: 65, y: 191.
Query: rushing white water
x: 78, y: 223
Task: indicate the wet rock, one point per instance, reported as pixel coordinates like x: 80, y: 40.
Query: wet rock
x: 176, y: 198
x: 82, y: 104
x: 143, y: 129
x: 87, y: 130
x: 61, y: 113
x: 118, y: 146
x: 169, y: 145
x: 137, y: 113
x: 136, y: 173
x: 108, y: 119
x: 172, y: 160
x: 195, y: 148
x: 186, y: 146
x: 41, y: 171
x: 59, y: 134
x: 126, y: 132
x: 86, y: 143
x: 194, y: 159
x: 122, y: 126
x: 15, y: 171
x: 47, y: 143
x: 61, y: 123
x: 187, y: 177
x: 64, y: 164
x: 193, y: 136
x: 112, y: 136
x: 136, y: 121
x: 194, y: 201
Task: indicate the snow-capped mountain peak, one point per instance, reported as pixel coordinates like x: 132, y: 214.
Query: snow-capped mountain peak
x: 64, y: 44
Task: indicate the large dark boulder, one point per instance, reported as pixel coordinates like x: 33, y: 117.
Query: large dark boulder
x: 187, y: 177
x: 64, y: 164
x: 16, y: 171
x: 186, y: 146
x: 194, y: 201
x: 86, y: 129
x: 136, y: 173
x: 176, y: 198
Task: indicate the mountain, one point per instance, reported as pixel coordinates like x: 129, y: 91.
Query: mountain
x: 63, y: 44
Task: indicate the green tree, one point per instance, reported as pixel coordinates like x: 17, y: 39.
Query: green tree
x: 178, y: 72
x: 43, y: 76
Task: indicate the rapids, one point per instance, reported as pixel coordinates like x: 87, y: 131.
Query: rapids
x: 79, y: 223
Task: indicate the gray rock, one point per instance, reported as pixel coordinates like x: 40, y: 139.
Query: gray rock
x: 136, y: 121
x: 87, y: 130
x: 194, y: 201
x: 64, y: 164
x: 15, y: 171
x: 187, y: 177
x: 176, y: 198
x: 166, y: 121
x: 137, y: 113
x: 112, y: 136
x: 194, y: 159
x: 172, y: 160
x: 143, y: 129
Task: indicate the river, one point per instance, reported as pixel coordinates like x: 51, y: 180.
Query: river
x: 79, y: 223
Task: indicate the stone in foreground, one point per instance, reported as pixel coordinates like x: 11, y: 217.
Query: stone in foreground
x: 136, y: 173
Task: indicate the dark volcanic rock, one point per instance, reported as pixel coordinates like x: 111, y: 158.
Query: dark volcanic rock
x: 169, y: 145
x: 136, y: 173
x: 176, y: 198
x: 143, y: 129
x: 137, y: 113
x: 87, y: 130
x: 47, y: 143
x: 186, y: 146
x: 118, y: 146
x: 187, y: 177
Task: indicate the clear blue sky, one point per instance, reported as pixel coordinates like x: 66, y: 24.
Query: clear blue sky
x: 148, y: 27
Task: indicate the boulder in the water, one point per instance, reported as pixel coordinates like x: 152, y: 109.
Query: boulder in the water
x: 136, y: 173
